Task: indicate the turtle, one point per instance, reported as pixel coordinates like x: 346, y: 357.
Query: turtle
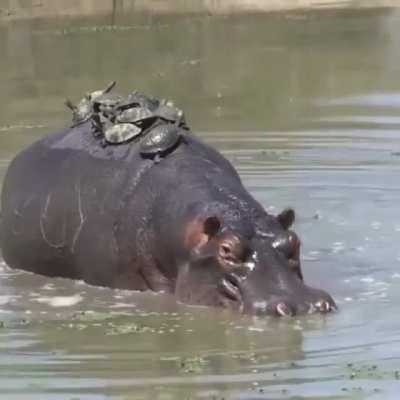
x: 97, y: 93
x: 80, y: 112
x: 134, y: 114
x: 106, y: 103
x: 168, y: 112
x: 84, y: 109
x: 137, y: 99
x: 121, y: 133
x: 160, y: 140
x: 100, y: 123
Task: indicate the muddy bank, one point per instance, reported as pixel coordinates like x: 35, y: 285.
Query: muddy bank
x: 16, y: 9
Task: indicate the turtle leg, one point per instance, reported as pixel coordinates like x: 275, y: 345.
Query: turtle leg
x: 157, y: 158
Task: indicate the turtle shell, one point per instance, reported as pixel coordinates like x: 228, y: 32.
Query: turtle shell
x: 106, y: 103
x: 137, y: 99
x: 121, y: 133
x: 160, y: 139
x: 134, y: 114
x: 169, y: 112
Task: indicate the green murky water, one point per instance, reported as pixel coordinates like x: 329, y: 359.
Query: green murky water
x: 306, y: 106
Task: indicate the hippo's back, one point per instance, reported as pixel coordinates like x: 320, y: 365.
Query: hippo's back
x: 65, y: 198
x: 57, y: 193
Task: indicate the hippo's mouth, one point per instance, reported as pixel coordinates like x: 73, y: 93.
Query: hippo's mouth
x: 230, y: 293
x: 313, y: 301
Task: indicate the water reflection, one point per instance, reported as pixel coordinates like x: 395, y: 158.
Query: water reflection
x: 305, y: 105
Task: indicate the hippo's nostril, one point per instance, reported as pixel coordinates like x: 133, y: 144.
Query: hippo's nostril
x: 284, y: 310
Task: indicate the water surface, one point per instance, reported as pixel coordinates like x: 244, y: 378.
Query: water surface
x: 306, y: 106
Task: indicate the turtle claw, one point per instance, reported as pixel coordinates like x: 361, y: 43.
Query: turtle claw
x: 109, y: 87
x: 70, y: 105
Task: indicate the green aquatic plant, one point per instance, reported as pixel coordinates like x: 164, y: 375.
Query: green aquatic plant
x: 126, y: 328
x: 192, y: 365
x: 370, y: 371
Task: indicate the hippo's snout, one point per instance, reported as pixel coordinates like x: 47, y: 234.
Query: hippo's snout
x: 243, y: 295
x: 288, y: 307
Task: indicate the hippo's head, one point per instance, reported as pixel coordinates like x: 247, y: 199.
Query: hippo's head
x: 253, y: 269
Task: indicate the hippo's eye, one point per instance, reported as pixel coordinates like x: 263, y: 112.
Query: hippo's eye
x: 232, y: 251
x: 225, y: 249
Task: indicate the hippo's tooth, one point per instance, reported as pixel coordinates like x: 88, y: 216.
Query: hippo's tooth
x: 284, y: 310
x: 323, y: 306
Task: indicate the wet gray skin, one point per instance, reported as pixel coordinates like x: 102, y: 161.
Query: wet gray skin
x: 259, y: 274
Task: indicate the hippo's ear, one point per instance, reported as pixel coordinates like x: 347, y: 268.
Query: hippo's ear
x: 211, y: 226
x: 286, y: 218
x: 200, y: 232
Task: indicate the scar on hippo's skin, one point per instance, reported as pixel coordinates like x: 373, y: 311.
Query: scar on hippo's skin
x: 135, y: 182
x: 81, y: 218
x: 18, y: 210
x: 43, y: 217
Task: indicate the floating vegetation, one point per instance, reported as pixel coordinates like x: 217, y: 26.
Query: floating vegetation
x: 127, y: 328
x: 371, y: 371
x: 89, y: 316
x: 192, y: 365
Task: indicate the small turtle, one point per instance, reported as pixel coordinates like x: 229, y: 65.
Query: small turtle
x: 169, y: 112
x: 84, y: 109
x: 134, y: 114
x: 121, y: 133
x: 80, y: 112
x: 141, y: 100
x: 99, y: 124
x: 160, y: 140
x: 106, y: 103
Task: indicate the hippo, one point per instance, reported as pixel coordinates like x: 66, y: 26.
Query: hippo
x: 75, y: 207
